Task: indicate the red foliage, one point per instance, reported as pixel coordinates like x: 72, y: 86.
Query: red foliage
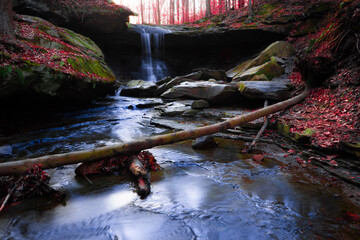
x: 333, y: 114
x: 55, y: 58
x: 86, y: 4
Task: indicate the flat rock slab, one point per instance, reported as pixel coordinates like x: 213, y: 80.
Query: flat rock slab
x: 210, y: 91
x: 273, y: 90
x: 139, y: 88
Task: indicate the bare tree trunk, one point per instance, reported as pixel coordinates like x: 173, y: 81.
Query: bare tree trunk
x: 19, y: 167
x: 142, y: 11
x: 158, y: 12
x: 208, y: 9
x: 6, y: 20
x: 250, y: 17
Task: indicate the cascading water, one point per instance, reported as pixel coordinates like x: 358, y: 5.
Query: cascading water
x: 152, y: 42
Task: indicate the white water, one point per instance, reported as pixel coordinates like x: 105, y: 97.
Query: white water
x: 152, y: 43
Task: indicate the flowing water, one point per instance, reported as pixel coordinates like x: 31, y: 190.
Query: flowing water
x: 152, y: 42
x: 214, y: 194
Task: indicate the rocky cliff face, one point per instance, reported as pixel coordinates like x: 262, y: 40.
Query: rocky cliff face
x: 91, y: 18
x: 51, y: 61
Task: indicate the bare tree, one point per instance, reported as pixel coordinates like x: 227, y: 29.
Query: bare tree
x: 250, y: 17
x: 142, y: 11
x: 208, y: 9
x: 6, y: 20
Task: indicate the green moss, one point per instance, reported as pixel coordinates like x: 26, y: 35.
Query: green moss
x: 267, y: 9
x: 90, y: 66
x: 241, y: 87
x: 305, y: 136
x: 284, y: 129
x: 314, y: 41
x: 79, y: 40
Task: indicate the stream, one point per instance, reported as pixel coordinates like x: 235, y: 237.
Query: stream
x: 200, y: 194
x: 219, y: 193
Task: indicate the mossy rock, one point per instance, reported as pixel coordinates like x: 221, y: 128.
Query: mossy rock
x: 269, y: 70
x: 278, y: 49
x: 238, y: 69
x: 304, y: 136
x: 261, y: 77
x: 84, y: 74
x: 91, y: 66
x: 283, y: 129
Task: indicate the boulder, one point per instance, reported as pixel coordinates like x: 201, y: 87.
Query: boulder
x: 203, y: 142
x: 53, y: 62
x: 212, y: 92
x: 211, y: 74
x: 89, y: 17
x: 269, y: 69
x: 261, y: 77
x: 200, y: 104
x: 273, y: 90
x: 166, y: 86
x: 139, y: 88
x: 278, y: 49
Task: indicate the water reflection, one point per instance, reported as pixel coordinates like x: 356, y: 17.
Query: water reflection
x: 214, y: 194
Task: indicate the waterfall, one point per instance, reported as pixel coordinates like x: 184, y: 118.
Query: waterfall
x: 152, y: 43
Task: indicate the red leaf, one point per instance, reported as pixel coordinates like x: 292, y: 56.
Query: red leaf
x: 334, y: 163
x: 354, y: 216
x: 291, y: 151
x: 258, y: 158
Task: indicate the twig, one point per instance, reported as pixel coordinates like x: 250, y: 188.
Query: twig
x: 9, y: 195
x: 261, y: 130
x: 92, y: 184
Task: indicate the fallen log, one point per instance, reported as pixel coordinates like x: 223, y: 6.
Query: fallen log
x: 53, y: 161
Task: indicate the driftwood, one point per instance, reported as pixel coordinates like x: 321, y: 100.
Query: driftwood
x: 261, y: 130
x: 53, y: 161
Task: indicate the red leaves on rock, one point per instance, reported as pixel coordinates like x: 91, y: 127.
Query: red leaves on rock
x: 88, y: 4
x: 53, y: 57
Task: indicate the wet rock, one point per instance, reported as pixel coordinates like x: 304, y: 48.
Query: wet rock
x: 164, y: 80
x: 5, y: 151
x: 203, y: 142
x: 212, y: 92
x: 139, y: 88
x: 173, y: 124
x: 200, y: 104
x: 273, y: 90
x: 150, y: 104
x: 166, y: 86
x: 173, y: 109
x: 211, y: 74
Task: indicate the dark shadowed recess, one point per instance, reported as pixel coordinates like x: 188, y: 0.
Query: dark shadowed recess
x: 186, y: 51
